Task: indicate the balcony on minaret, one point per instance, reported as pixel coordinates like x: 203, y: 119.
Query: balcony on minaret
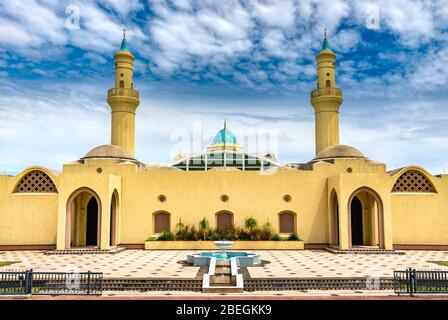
x: 326, y: 92
x: 123, y: 93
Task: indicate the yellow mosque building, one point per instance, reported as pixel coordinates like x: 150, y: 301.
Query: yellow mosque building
x: 340, y: 198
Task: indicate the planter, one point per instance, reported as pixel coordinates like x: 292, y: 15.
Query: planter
x: 237, y: 245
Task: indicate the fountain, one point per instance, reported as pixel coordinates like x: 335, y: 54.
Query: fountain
x: 223, y: 246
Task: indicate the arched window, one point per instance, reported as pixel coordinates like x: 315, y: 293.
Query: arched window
x: 328, y: 84
x: 121, y: 84
x: 161, y: 222
x: 36, y: 181
x: 287, y: 222
x: 224, y: 220
x: 413, y: 181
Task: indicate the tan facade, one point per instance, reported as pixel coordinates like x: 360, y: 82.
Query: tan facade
x: 339, y: 198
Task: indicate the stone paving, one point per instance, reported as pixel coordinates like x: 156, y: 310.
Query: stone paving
x: 318, y: 263
x: 283, y: 264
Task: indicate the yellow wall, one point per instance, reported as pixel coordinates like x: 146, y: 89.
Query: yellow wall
x: 26, y: 219
x: 408, y: 218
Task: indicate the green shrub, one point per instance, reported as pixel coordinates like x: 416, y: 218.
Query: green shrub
x: 204, y: 228
x: 275, y: 237
x: 166, y: 236
x: 293, y: 237
x: 266, y: 231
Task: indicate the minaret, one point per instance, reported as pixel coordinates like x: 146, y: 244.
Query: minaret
x: 123, y: 100
x: 326, y: 99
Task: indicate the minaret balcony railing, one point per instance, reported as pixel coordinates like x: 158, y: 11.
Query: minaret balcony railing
x: 123, y: 92
x: 330, y: 91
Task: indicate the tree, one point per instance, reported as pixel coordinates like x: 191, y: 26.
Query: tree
x: 203, y: 226
x: 250, y: 223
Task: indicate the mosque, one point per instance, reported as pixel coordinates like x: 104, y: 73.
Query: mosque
x: 340, y: 198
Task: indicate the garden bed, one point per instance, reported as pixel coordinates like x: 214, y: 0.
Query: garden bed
x: 237, y: 245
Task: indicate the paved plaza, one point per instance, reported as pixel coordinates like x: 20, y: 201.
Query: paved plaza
x: 281, y: 264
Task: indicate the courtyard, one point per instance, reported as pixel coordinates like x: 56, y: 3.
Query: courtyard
x: 276, y: 263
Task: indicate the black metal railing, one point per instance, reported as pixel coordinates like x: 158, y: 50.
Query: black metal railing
x: 413, y: 281
x: 50, y: 283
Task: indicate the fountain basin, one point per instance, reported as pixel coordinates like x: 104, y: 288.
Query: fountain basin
x: 244, y: 259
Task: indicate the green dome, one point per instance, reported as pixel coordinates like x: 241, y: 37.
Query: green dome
x: 325, y: 45
x: 224, y: 136
x: 124, y: 45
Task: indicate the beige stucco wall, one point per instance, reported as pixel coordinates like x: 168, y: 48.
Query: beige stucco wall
x: 40, y: 219
x: 27, y: 219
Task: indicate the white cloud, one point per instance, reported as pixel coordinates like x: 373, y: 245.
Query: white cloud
x: 123, y: 7
x: 275, y: 13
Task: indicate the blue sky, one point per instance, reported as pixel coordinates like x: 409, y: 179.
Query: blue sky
x: 200, y: 62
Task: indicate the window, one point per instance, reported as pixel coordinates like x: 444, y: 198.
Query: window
x: 121, y: 84
x: 413, y: 181
x: 224, y: 220
x: 36, y: 182
x: 328, y: 84
x: 161, y: 222
x: 287, y: 224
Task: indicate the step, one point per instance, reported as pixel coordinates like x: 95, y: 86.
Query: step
x: 113, y: 250
x: 362, y: 250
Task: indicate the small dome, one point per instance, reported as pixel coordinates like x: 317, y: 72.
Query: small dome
x: 108, y: 151
x: 224, y: 136
x: 340, y: 151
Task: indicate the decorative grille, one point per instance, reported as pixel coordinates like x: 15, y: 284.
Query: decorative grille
x: 287, y: 222
x: 224, y: 220
x: 161, y: 222
x: 36, y: 182
x: 413, y: 181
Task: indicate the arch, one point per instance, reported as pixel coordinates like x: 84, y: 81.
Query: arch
x: 224, y: 220
x: 334, y: 203
x: 114, y: 207
x: 413, y: 180
x: 328, y: 84
x: 161, y: 221
x: 74, y: 214
x: 287, y: 222
x: 35, y: 180
x: 376, y: 215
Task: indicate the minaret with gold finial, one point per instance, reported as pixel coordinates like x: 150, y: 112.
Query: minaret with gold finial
x: 326, y: 99
x: 123, y: 100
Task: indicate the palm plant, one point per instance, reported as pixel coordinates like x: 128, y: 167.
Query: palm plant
x: 250, y: 223
x: 203, y: 226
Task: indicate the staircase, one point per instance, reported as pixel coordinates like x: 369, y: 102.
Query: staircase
x: 362, y: 250
x: 87, y: 250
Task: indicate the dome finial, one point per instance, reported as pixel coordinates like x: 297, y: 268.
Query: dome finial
x: 325, y: 45
x: 124, y: 43
x: 225, y: 124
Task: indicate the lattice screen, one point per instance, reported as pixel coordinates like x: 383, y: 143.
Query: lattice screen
x: 224, y: 220
x: 413, y: 181
x: 161, y: 222
x: 36, y: 182
x: 287, y: 222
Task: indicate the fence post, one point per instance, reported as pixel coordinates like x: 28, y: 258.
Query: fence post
x: 88, y: 282
x: 28, y: 281
x: 414, y: 278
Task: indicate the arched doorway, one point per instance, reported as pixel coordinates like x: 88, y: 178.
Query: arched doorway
x: 334, y: 219
x: 113, y: 236
x: 83, y: 219
x: 287, y: 222
x: 357, y: 229
x: 365, y: 219
x: 224, y: 220
x: 92, y: 223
